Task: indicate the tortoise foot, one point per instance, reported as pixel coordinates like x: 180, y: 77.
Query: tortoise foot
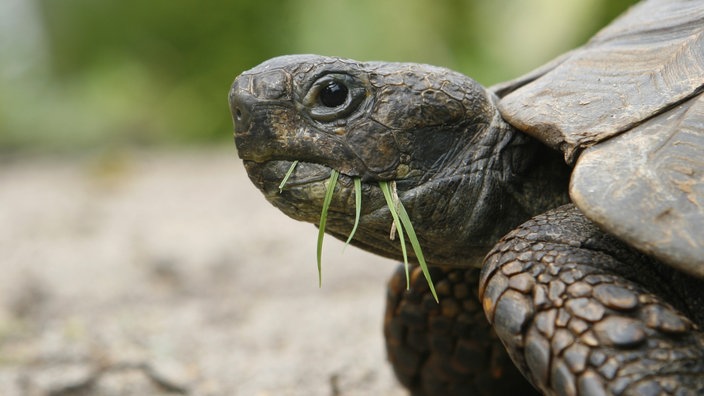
x: 580, y: 314
x: 446, y: 348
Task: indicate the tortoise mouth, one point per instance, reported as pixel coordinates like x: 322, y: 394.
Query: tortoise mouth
x: 269, y: 175
x: 295, y: 187
x: 303, y: 194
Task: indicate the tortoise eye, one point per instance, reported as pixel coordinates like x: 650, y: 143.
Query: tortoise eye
x: 333, y: 94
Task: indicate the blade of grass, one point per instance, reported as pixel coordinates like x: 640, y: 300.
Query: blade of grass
x: 405, y: 219
x: 323, y: 220
x: 358, y: 208
x: 287, y: 175
x: 392, y: 209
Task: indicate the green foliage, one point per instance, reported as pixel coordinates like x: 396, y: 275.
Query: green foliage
x: 290, y: 170
x: 332, y: 182
x: 86, y: 73
x: 357, y: 208
x: 403, y: 224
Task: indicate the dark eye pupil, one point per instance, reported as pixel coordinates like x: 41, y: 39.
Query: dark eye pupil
x: 334, y: 94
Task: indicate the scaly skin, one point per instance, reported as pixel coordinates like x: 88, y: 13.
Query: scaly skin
x: 582, y: 314
x: 447, y: 348
x: 578, y: 311
x: 463, y: 174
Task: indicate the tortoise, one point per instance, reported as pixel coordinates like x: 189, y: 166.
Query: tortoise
x: 561, y: 214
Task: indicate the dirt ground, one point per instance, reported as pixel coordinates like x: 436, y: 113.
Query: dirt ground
x: 167, y: 273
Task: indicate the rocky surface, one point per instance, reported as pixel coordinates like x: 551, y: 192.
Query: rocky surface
x: 168, y: 274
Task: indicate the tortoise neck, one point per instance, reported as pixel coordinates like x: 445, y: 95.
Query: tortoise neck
x: 496, y: 179
x: 540, y: 176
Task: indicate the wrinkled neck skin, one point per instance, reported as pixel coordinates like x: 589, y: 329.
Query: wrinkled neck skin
x: 496, y: 180
x: 464, y: 175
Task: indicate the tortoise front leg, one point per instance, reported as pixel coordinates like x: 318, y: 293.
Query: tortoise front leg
x: 582, y: 314
x: 449, y: 348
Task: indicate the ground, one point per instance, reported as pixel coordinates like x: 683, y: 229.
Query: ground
x: 167, y: 273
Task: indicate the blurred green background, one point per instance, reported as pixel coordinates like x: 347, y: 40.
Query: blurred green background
x: 90, y: 74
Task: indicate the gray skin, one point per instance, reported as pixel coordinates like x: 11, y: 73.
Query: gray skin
x: 464, y: 175
x: 578, y: 311
x: 569, y: 201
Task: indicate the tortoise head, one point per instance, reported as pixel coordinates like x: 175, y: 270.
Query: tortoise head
x: 435, y: 132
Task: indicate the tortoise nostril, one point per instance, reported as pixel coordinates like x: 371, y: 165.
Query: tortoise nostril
x: 241, y: 111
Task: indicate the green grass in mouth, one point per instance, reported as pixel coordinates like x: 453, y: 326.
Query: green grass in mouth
x: 323, y: 219
x: 357, y: 208
x: 287, y: 175
x: 403, y: 222
x: 392, y: 204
